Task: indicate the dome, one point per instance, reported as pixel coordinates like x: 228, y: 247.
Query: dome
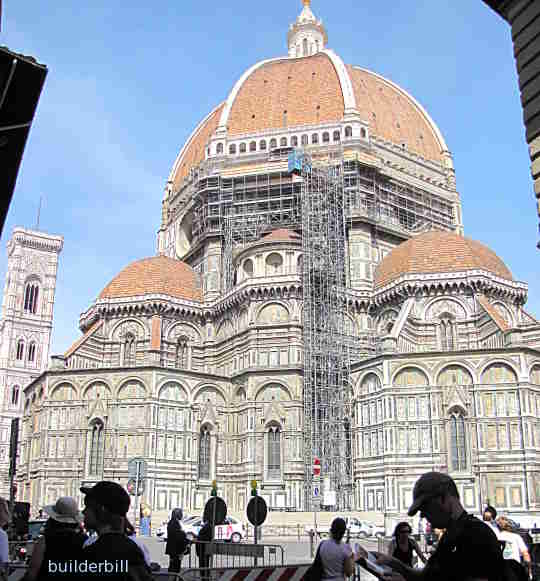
x: 282, y: 235
x: 157, y: 275
x: 291, y: 93
x: 436, y: 252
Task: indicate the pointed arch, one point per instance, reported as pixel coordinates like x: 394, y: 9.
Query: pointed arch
x: 204, y: 453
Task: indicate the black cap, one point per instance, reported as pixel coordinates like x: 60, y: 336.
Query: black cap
x: 110, y: 495
x: 428, y: 486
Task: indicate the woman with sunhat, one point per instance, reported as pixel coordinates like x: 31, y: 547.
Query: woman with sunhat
x: 61, y: 543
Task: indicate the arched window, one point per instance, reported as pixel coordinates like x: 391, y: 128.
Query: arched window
x: 20, y: 350
x: 363, y: 133
x: 285, y: 119
x: 447, y: 334
x: 274, y: 264
x: 31, y: 298
x: 337, y: 136
x: 15, y: 390
x: 273, y: 143
x: 32, y: 352
x: 315, y: 138
x: 348, y: 131
x: 317, y: 45
x: 242, y: 148
x: 232, y: 149
x: 252, y: 146
x: 274, y: 453
x: 305, y: 46
x: 219, y: 149
x: 262, y: 145
x: 294, y: 141
x: 305, y: 139
x: 283, y: 142
x: 129, y: 349
x: 181, y: 352
x: 248, y: 267
x: 204, y: 454
x: 96, y: 449
x: 326, y: 137
x: 458, y: 445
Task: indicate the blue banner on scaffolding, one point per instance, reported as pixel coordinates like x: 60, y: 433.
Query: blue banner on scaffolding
x: 295, y: 162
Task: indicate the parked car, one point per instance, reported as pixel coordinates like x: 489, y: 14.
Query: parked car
x: 355, y: 528
x: 232, y: 530
x: 161, y: 531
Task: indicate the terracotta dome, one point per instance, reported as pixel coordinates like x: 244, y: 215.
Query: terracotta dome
x: 438, y: 252
x: 282, y: 235
x: 154, y: 275
x: 286, y: 93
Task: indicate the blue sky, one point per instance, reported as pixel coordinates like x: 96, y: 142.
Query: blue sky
x: 128, y: 82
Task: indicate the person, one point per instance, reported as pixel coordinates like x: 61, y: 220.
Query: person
x: 40, y: 513
x: 467, y: 550
x: 403, y: 546
x: 145, y: 515
x: 131, y: 534
x: 176, y: 541
x: 204, y: 536
x: 336, y: 556
x: 515, y: 547
x: 105, y: 508
x: 489, y: 517
x: 61, y: 543
x: 4, y: 541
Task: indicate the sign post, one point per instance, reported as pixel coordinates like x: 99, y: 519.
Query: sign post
x: 316, y: 492
x: 137, y: 471
x: 256, y: 512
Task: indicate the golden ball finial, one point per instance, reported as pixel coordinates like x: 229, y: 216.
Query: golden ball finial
x: 306, y: 2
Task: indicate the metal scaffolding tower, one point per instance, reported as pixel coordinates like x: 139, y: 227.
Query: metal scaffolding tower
x: 326, y: 395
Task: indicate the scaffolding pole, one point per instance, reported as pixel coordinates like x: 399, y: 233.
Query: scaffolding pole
x: 326, y: 394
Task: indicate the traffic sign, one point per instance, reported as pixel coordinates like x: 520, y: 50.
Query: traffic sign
x: 215, y: 511
x: 316, y: 491
x: 316, y: 467
x: 257, y: 510
x: 132, y: 467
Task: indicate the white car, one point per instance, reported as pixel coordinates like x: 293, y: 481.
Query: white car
x: 161, y: 532
x: 232, y: 530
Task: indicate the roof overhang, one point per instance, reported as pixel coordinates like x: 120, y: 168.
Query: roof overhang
x: 500, y: 6
x: 21, y: 82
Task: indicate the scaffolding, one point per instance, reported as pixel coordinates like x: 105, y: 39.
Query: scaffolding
x: 326, y: 393
x: 323, y: 198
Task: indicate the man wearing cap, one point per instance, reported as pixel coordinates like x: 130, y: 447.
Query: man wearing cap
x: 468, y: 550
x: 113, y: 556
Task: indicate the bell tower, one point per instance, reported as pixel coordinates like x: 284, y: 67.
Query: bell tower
x: 26, y: 324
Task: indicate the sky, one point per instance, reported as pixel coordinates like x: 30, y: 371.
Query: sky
x: 129, y: 81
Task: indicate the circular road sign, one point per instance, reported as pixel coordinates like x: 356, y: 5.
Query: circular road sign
x: 316, y: 467
x: 215, y: 511
x: 257, y: 511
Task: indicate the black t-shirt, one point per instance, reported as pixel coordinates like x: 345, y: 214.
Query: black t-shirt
x: 111, y: 557
x: 468, y: 549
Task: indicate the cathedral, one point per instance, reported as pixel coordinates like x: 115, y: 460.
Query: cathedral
x: 193, y: 359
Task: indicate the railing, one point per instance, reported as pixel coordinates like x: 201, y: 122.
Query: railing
x: 223, y: 555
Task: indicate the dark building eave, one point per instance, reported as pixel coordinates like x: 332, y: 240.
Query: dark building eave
x: 21, y: 82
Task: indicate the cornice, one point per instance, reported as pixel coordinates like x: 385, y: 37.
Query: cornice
x: 477, y: 281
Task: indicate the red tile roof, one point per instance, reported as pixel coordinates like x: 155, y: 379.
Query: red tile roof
x: 155, y: 275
